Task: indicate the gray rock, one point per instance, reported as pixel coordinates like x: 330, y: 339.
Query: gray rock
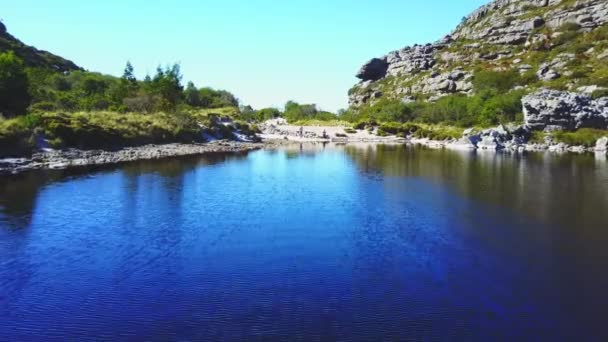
x: 412, y: 59
x: 463, y: 144
x: 552, y: 109
x: 490, y: 143
x: 545, y: 73
x: 2, y: 28
x: 586, y: 13
x: 588, y: 90
x: 373, y: 70
x: 494, y: 138
x: 601, y: 145
x: 500, y: 22
x: 408, y: 99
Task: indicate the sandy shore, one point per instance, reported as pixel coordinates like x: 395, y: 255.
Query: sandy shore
x: 273, y: 130
x: 278, y: 129
x: 55, y: 159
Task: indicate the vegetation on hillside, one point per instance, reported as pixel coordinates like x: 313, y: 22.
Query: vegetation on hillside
x: 14, y: 84
x: 494, y: 102
x: 498, y: 82
x: 42, y: 107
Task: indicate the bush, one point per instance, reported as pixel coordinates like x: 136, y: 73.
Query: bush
x: 495, y: 81
x: 569, y: 27
x: 110, y: 130
x: 17, y: 135
x: 142, y: 103
x: 14, y: 85
x: 599, y: 93
x: 584, y: 136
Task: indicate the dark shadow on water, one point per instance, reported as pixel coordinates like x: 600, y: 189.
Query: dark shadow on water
x: 18, y: 193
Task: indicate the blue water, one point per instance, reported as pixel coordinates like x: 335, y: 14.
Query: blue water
x: 310, y: 243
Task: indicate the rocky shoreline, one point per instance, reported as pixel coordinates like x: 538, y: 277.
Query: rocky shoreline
x: 494, y: 139
x: 514, y: 138
x: 70, y: 158
x: 460, y: 145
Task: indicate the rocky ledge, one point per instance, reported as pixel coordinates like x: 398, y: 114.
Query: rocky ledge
x: 510, y: 139
x: 551, y: 110
x: 56, y: 159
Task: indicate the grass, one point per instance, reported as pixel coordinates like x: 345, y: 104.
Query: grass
x: 111, y: 129
x: 331, y: 123
x: 17, y: 135
x: 584, y: 136
x: 106, y: 129
x: 537, y: 137
x: 419, y: 130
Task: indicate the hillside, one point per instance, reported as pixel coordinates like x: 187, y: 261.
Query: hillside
x: 527, y: 45
x: 33, y: 57
x: 47, y: 101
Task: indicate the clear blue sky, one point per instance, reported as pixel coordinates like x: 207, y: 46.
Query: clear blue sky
x: 264, y: 51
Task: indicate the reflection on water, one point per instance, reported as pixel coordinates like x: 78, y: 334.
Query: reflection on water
x: 312, y: 242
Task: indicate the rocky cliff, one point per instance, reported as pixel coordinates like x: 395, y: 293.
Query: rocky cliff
x: 555, y: 44
x: 31, y: 56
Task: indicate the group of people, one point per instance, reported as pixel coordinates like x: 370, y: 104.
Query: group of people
x: 302, y: 133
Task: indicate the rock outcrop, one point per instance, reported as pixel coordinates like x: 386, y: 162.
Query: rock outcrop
x: 496, y: 36
x: 602, y: 145
x: 373, y: 70
x: 558, y: 110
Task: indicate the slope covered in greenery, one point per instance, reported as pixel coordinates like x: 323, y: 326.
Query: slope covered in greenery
x: 478, y: 74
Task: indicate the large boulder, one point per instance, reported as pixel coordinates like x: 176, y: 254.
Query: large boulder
x: 2, y: 28
x: 373, y: 70
x: 560, y: 110
x: 602, y: 145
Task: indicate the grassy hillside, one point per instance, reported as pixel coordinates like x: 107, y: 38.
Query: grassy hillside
x: 33, y: 57
x: 477, y: 75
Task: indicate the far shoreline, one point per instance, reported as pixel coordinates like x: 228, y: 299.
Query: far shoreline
x: 77, y: 158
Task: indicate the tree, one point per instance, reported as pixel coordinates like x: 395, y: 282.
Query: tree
x: 192, y: 95
x: 268, y: 114
x: 128, y: 73
x: 295, y: 111
x: 167, y: 85
x: 128, y: 83
x: 14, y: 94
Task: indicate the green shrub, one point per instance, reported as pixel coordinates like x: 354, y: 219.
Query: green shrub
x: 16, y: 136
x: 109, y: 129
x: 14, y: 85
x: 599, y: 93
x: 569, y: 27
x: 584, y: 136
x: 495, y: 81
x: 386, y: 110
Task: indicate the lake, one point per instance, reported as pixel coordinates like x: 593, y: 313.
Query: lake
x: 311, y: 243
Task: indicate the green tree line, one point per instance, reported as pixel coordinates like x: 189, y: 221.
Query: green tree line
x: 24, y: 89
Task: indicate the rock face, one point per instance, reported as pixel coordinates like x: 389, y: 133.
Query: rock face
x: 496, y: 36
x: 558, y: 110
x: 601, y: 145
x: 373, y: 70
